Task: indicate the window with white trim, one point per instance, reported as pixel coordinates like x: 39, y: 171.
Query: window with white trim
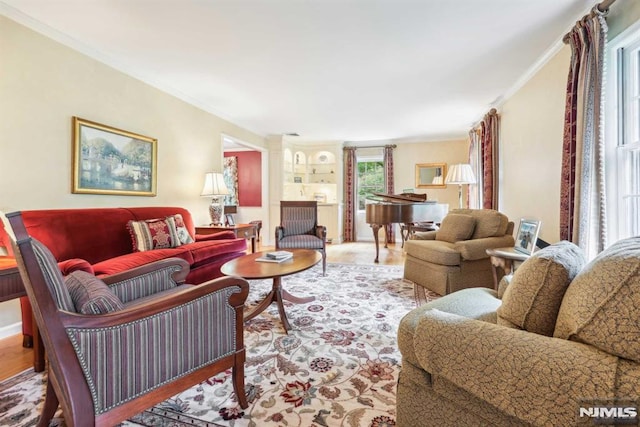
x: 623, y: 136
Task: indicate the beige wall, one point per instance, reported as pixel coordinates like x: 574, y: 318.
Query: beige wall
x: 531, y: 126
x: 407, y: 155
x: 623, y: 13
x: 43, y: 84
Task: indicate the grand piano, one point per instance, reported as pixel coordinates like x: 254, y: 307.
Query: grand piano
x: 386, y: 209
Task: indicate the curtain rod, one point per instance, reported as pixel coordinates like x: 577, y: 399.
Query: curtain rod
x: 603, y: 7
x: 369, y: 146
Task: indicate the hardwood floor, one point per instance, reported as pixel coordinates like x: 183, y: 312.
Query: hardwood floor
x: 16, y: 359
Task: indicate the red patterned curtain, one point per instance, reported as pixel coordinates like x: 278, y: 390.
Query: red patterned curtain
x: 350, y: 179
x: 389, y: 187
x: 489, y: 138
x: 582, y: 189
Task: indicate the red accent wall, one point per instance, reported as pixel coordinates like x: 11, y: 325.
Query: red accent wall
x: 249, y: 177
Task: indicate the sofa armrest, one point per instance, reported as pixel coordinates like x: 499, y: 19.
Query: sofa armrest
x: 216, y: 236
x: 148, y: 279
x: 424, y: 235
x: 539, y: 379
x: 477, y: 248
x: 75, y: 264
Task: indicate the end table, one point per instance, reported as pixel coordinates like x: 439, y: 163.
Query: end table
x: 247, y: 231
x: 11, y: 287
x: 505, y: 258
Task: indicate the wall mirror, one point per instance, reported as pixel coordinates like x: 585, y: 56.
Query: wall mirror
x: 431, y: 175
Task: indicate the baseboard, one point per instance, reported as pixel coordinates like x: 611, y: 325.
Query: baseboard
x: 10, y: 330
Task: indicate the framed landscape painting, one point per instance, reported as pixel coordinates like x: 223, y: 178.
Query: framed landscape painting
x: 107, y: 160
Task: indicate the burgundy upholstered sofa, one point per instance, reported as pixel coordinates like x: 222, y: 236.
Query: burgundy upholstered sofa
x: 98, y: 241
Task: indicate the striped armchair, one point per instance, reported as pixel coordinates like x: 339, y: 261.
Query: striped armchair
x: 123, y: 343
x: 299, y: 228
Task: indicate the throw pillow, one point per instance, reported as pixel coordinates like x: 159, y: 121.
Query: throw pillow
x: 181, y: 229
x: 602, y: 305
x: 456, y: 227
x: 532, y: 299
x: 153, y: 234
x: 91, y: 295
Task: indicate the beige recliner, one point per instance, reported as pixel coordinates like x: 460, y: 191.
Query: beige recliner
x: 455, y: 256
x: 561, y: 337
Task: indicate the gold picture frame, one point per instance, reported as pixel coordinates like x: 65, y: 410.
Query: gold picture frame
x: 431, y: 175
x: 112, y: 161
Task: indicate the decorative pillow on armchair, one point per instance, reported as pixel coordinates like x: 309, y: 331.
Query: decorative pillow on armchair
x: 532, y: 300
x: 91, y: 295
x: 154, y: 234
x: 456, y: 227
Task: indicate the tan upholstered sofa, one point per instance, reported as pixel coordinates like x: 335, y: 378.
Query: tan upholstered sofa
x: 455, y: 256
x: 555, y: 339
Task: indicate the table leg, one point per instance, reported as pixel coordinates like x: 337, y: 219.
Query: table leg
x: 276, y: 295
x: 376, y: 228
x: 498, y: 262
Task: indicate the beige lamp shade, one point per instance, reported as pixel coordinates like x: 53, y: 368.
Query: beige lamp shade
x: 460, y: 174
x: 214, y: 185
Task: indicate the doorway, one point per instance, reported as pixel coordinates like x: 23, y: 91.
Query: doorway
x: 370, y: 180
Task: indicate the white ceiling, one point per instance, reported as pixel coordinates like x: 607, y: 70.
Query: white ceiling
x: 349, y: 70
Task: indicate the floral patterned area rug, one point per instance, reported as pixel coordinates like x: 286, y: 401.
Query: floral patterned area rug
x: 338, y: 366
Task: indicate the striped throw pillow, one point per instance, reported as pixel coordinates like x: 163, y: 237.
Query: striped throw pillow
x: 91, y: 295
x: 154, y: 234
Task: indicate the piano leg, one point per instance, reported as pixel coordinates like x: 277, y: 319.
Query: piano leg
x: 376, y: 228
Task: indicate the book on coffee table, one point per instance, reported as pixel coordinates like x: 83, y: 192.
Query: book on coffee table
x: 277, y: 258
x: 279, y: 255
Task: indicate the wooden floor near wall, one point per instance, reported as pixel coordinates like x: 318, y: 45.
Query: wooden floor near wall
x: 16, y: 358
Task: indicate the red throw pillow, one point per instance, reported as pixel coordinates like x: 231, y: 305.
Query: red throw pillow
x: 153, y: 234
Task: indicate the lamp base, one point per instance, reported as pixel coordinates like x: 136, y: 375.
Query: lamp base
x: 216, y: 208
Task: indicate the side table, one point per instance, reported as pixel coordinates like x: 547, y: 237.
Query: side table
x: 11, y: 287
x: 505, y: 258
x: 247, y: 231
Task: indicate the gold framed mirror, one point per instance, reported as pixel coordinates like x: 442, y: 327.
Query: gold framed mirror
x: 431, y: 175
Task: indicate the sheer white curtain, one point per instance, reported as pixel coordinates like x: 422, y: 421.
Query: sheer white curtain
x: 474, y: 195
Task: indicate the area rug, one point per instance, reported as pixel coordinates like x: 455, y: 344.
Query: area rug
x: 338, y: 366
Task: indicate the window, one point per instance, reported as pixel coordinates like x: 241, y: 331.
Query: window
x: 370, y: 180
x: 623, y: 136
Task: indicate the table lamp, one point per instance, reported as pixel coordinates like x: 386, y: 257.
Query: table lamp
x: 215, y: 188
x: 460, y: 174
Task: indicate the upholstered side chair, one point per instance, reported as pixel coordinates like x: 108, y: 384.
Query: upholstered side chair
x: 142, y: 330
x: 299, y: 228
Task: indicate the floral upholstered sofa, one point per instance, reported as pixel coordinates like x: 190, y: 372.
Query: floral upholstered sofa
x: 106, y: 241
x: 560, y: 336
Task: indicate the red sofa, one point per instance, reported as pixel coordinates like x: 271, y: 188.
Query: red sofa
x: 98, y: 241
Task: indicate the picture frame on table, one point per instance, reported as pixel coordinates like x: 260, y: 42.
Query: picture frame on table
x: 229, y: 220
x: 112, y: 161
x: 527, y: 235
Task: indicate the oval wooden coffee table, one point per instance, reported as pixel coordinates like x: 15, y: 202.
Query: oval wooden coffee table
x: 248, y: 268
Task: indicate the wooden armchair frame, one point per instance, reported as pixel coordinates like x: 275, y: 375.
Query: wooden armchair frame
x: 67, y: 380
